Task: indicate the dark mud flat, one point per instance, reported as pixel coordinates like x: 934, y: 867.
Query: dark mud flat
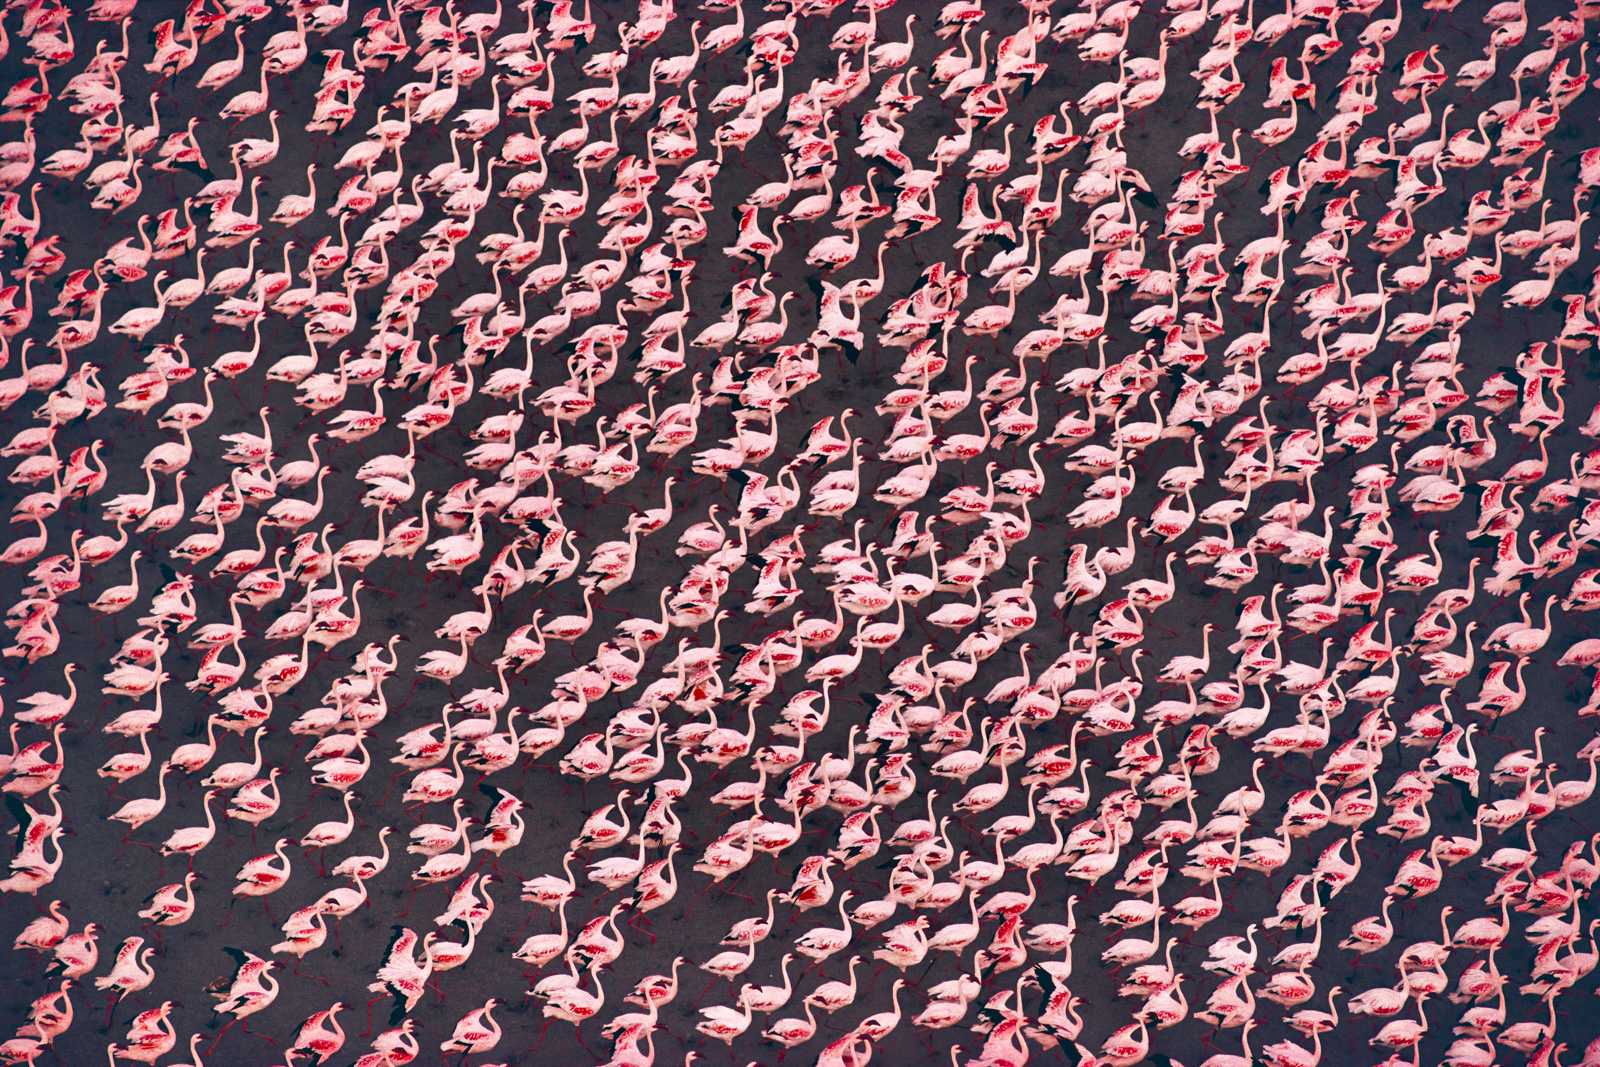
x: 105, y: 882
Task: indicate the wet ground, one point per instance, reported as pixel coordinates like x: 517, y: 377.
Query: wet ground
x: 105, y: 882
